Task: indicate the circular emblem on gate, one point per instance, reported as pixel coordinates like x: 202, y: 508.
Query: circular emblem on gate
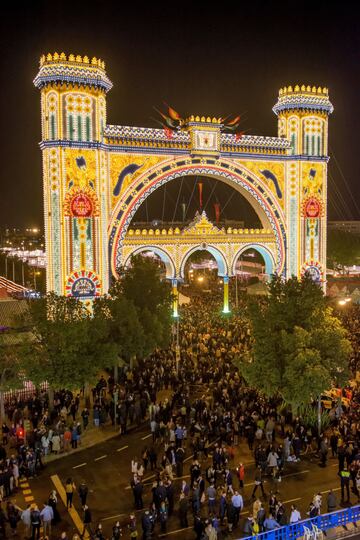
x: 312, y: 208
x: 313, y: 269
x: 83, y: 285
x: 81, y: 206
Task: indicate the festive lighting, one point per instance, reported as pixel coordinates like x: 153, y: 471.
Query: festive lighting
x: 96, y: 175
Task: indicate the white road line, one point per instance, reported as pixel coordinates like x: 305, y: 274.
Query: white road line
x: 122, y: 448
x: 294, y: 474
x: 293, y: 500
x: 119, y: 515
x: 328, y: 490
x: 101, y: 457
x: 174, y: 532
x: 146, y: 437
x: 81, y: 465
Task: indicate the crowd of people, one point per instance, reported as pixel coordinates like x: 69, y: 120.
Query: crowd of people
x: 207, y: 418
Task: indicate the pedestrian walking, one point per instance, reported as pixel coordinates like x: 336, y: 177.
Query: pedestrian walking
x: 132, y: 526
x: 238, y: 504
x: 163, y: 516
x: 26, y: 519
x: 53, y: 503
x: 295, y: 515
x: 47, y: 515
x: 87, y: 519
x: 69, y: 489
x: 241, y: 474
x: 183, y: 510
x: 83, y: 492
x: 35, y: 523
x: 345, y: 484
x: 258, y: 483
x: 13, y: 515
x: 331, y: 501
x: 116, y: 531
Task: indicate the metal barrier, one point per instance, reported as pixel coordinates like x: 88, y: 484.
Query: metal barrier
x: 24, y: 393
x: 322, y: 523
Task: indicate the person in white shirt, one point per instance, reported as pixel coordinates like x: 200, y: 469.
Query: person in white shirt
x: 238, y: 504
x: 134, y: 465
x: 26, y: 519
x: 295, y: 514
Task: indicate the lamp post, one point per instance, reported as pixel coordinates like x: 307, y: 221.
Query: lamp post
x: 177, y: 346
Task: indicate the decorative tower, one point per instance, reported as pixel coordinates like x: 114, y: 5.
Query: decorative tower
x: 73, y: 119
x: 303, y: 119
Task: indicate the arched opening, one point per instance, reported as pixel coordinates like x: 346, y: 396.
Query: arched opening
x: 175, y: 204
x: 161, y: 256
x: 253, y: 263
x: 215, y: 255
x: 200, y: 273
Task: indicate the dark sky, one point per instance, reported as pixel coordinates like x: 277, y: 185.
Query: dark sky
x: 213, y: 60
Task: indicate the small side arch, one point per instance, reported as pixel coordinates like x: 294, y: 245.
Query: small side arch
x: 264, y: 252
x: 164, y: 256
x: 223, y: 269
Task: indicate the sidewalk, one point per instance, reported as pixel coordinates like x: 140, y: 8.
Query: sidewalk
x: 90, y: 437
x: 94, y: 435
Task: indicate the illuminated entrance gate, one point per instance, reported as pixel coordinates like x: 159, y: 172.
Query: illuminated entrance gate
x: 96, y: 176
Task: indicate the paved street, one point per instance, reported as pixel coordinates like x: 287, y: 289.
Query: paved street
x: 106, y: 470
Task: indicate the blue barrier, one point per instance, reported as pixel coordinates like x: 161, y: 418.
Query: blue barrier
x: 324, y: 523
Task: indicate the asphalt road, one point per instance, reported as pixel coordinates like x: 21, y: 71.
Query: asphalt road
x: 107, y: 472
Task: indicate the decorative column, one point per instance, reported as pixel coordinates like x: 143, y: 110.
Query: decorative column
x: 175, y: 298
x: 226, y: 294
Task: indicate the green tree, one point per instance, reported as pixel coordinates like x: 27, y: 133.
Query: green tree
x: 68, y: 346
x: 299, y: 348
x: 343, y: 249
x: 142, y: 285
x: 10, y: 369
x: 124, y: 329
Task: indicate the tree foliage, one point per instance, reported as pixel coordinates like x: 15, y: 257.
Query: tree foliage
x: 121, y: 317
x: 10, y: 369
x: 68, y: 346
x: 141, y: 284
x: 299, y: 349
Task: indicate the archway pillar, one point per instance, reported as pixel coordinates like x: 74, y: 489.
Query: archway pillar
x: 175, y: 297
x: 226, y: 308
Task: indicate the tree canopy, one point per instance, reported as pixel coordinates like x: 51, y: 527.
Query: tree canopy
x: 68, y: 346
x: 299, y: 348
x: 141, y: 284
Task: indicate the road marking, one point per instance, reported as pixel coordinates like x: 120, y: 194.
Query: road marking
x: 27, y: 491
x: 292, y: 500
x: 101, y: 457
x: 295, y: 473
x: 81, y: 465
x: 332, y: 489
x: 29, y: 498
x: 122, y: 448
x: 119, y: 515
x: 174, y: 532
x: 72, y: 511
x: 146, y: 437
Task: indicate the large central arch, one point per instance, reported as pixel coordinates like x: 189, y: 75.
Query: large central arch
x: 236, y: 175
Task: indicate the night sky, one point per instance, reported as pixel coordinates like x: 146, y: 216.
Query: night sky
x: 201, y: 59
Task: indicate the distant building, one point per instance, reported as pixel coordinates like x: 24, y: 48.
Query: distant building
x: 21, y: 238
x: 346, y: 226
